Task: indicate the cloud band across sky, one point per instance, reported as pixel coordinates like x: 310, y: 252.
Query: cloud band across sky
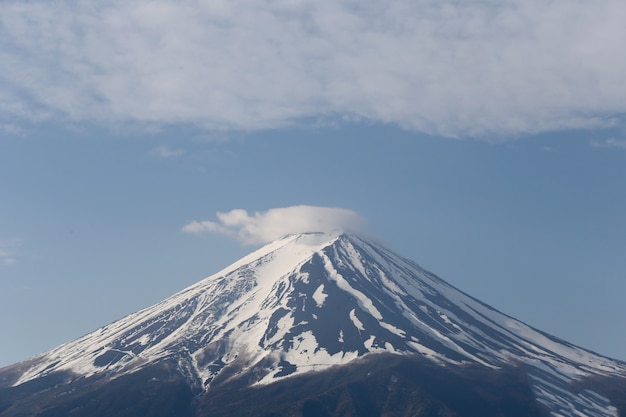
x: 451, y: 68
x: 264, y: 227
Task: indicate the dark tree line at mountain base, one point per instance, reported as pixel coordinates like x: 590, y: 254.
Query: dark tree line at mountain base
x: 380, y: 385
x: 385, y: 386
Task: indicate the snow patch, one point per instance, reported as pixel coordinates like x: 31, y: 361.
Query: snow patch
x: 308, y: 356
x: 392, y: 329
x: 364, y: 302
x: 319, y: 296
x: 357, y: 323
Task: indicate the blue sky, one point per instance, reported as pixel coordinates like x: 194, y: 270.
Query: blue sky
x: 485, y: 141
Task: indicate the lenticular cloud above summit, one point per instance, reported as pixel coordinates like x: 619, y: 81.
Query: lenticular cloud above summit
x: 264, y: 227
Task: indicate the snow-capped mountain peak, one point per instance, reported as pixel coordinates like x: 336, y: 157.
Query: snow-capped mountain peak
x: 310, y: 301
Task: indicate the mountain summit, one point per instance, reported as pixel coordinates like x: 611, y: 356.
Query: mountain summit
x: 308, y: 306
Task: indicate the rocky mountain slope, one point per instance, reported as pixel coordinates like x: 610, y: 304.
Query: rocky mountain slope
x: 320, y: 307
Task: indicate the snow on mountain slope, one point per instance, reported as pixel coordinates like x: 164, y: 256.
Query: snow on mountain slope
x: 310, y: 301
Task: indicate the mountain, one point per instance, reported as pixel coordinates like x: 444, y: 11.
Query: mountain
x: 310, y: 325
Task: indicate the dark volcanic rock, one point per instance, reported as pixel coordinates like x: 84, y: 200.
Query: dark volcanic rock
x: 378, y: 385
x: 383, y: 385
x: 157, y: 391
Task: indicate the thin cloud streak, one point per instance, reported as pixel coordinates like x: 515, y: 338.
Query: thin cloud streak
x: 473, y: 68
x: 609, y: 143
x: 264, y: 227
x: 167, y: 152
x: 8, y: 251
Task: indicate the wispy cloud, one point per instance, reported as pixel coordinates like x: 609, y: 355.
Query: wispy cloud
x: 609, y: 143
x: 453, y: 68
x: 11, y: 129
x: 166, y: 152
x: 8, y: 250
x: 263, y: 227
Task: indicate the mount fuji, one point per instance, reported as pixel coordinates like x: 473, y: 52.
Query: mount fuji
x: 316, y: 324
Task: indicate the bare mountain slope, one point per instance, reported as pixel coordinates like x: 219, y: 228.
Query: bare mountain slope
x: 311, y: 302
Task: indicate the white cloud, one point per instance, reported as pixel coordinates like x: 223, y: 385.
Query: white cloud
x: 8, y: 251
x: 609, y: 143
x: 163, y: 151
x: 263, y: 227
x: 475, y: 67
